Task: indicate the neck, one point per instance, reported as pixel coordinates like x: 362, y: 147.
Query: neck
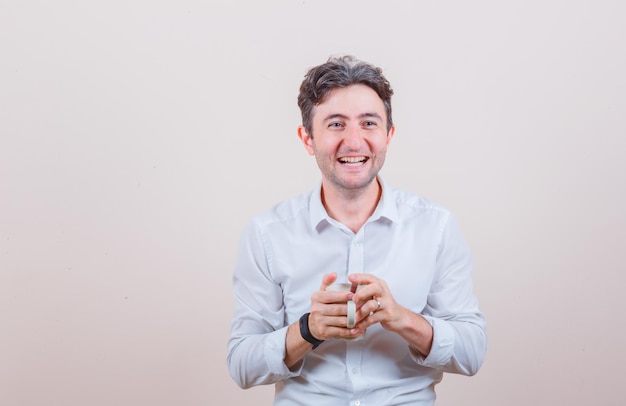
x: 351, y: 208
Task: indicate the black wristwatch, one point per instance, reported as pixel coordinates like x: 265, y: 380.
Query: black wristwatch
x: 305, y: 333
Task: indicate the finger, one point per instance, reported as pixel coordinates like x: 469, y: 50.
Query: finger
x: 347, y: 333
x: 336, y: 310
x: 328, y: 280
x: 365, y: 294
x: 366, y: 321
x: 374, y: 290
x: 326, y: 327
x: 368, y: 311
x: 369, y: 286
x: 362, y: 278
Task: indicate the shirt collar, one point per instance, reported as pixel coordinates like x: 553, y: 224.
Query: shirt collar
x: 317, y: 211
x: 386, y: 206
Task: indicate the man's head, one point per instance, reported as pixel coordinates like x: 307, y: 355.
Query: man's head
x: 346, y: 113
x: 341, y: 72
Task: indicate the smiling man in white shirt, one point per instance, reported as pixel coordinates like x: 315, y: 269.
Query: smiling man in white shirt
x: 417, y: 316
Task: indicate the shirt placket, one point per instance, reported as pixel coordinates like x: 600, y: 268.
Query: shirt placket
x: 354, y: 352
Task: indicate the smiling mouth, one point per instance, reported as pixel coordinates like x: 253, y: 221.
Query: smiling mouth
x: 353, y: 161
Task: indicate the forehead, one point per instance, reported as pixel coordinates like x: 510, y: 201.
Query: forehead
x: 350, y: 101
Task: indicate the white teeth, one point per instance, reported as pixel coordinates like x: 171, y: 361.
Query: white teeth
x: 352, y: 160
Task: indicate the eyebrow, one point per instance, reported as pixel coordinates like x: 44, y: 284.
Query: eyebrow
x: 361, y: 116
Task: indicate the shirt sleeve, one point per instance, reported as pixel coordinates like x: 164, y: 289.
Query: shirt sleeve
x: 460, y: 339
x: 256, y: 346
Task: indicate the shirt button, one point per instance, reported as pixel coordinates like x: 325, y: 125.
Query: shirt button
x: 357, y: 402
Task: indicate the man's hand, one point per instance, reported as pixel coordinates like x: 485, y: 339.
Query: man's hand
x: 328, y: 318
x: 376, y: 304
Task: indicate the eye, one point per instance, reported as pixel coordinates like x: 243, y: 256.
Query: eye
x: 335, y: 124
x: 370, y: 124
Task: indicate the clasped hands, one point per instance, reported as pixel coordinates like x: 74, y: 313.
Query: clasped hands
x: 374, y: 304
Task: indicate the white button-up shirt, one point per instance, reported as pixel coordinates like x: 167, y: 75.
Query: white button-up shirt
x: 413, y: 244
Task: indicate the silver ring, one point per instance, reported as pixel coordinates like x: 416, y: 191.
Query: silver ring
x: 378, y: 301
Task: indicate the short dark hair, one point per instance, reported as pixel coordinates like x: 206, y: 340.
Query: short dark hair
x: 338, y: 72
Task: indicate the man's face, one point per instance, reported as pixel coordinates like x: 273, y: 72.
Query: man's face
x: 350, y: 137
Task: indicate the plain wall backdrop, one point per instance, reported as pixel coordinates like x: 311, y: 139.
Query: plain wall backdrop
x: 137, y: 138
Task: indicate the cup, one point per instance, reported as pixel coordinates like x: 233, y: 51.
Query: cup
x: 347, y: 287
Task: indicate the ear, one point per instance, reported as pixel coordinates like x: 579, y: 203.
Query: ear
x: 306, y: 139
x: 390, y: 134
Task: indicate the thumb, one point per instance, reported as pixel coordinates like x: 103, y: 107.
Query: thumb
x: 328, y: 279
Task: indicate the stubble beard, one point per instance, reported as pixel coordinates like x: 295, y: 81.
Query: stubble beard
x: 352, y: 187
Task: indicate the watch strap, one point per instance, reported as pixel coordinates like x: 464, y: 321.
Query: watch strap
x: 306, y: 333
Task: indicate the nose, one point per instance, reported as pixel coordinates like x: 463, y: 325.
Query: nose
x: 352, y: 138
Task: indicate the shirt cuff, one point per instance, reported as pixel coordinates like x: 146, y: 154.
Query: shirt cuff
x: 443, y: 344
x: 274, y: 352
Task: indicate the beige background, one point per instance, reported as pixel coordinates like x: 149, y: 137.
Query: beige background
x: 138, y: 137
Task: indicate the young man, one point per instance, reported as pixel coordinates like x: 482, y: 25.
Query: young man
x: 416, y: 314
